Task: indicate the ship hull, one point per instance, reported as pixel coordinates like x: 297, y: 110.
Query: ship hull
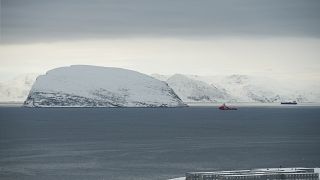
x: 290, y: 103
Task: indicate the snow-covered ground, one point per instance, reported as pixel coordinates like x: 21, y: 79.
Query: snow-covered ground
x: 260, y: 89
x: 17, y: 89
x: 87, y: 86
x: 240, y: 88
x: 191, y: 90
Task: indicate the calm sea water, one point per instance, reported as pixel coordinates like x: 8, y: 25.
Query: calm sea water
x: 153, y: 143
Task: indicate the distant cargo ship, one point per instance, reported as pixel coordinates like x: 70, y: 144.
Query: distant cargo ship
x: 292, y: 102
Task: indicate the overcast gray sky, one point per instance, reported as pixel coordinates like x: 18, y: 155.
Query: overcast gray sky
x: 47, y: 20
x: 162, y: 36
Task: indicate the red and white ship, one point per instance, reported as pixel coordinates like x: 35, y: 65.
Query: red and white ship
x: 224, y: 107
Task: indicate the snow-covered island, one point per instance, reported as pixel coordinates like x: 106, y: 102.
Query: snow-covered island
x: 93, y: 86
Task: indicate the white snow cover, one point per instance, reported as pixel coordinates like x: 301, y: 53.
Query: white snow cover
x: 246, y: 88
x: 204, y: 89
x: 17, y: 89
x: 81, y: 85
x: 241, y: 88
x: 191, y: 90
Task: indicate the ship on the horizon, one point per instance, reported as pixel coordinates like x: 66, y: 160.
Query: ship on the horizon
x: 225, y: 107
x: 290, y: 102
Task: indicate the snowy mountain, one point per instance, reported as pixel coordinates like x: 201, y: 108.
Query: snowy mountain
x: 91, y: 86
x: 191, y: 90
x: 17, y: 89
x: 194, y: 88
x: 240, y: 88
x: 256, y: 89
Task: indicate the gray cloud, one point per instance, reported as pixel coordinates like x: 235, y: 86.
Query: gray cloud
x: 55, y: 20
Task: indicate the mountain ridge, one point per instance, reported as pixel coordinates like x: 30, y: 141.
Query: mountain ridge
x: 221, y: 88
x: 245, y: 88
